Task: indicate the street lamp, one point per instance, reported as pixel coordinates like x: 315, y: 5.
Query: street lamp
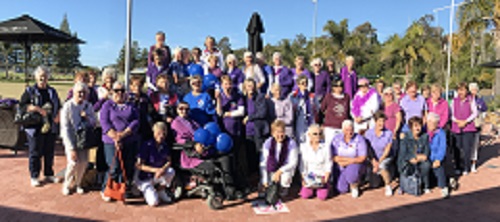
x: 315, y: 2
x: 450, y: 38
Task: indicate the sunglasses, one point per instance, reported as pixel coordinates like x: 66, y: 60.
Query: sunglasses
x: 363, y: 85
x: 119, y: 90
x: 303, y: 83
x: 316, y: 134
x: 195, y: 82
x: 183, y: 108
x: 316, y: 65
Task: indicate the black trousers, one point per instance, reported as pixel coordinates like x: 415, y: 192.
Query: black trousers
x: 253, y: 146
x: 464, y: 143
x: 41, y: 145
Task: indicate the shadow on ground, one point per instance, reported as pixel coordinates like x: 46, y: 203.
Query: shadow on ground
x: 12, y: 214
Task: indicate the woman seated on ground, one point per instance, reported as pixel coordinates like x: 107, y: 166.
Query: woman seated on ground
x: 315, y: 164
x: 437, y: 138
x: 279, y: 158
x: 380, y: 140
x: 154, y: 166
x: 414, y: 150
x: 75, y: 113
x: 349, y: 155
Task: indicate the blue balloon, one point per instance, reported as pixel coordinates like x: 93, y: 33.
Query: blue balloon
x: 212, y: 139
x: 213, y: 128
x: 224, y: 143
x: 202, y: 136
x: 195, y: 69
x: 209, y: 81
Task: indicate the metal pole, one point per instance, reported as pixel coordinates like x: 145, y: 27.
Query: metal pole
x: 314, y: 25
x: 128, y: 43
x: 450, y: 44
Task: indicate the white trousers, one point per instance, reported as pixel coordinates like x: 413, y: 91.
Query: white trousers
x: 75, y: 170
x: 147, y: 187
x: 285, y: 180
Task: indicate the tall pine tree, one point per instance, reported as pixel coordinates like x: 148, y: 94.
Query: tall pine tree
x: 67, y: 55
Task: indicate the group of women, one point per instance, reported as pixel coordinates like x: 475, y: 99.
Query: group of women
x: 331, y: 128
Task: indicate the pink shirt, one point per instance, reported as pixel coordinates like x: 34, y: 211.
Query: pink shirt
x: 442, y: 109
x: 391, y: 111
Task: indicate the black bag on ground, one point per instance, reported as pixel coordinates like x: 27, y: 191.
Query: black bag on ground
x: 272, y: 194
x: 410, y: 180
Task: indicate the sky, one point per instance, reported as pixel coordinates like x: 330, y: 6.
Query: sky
x: 102, y: 23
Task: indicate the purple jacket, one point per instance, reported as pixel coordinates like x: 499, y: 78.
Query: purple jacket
x: 154, y: 72
x: 232, y: 125
x: 237, y: 76
x: 322, y: 83
x: 119, y: 118
x: 295, y: 76
x: 350, y: 81
x: 285, y: 80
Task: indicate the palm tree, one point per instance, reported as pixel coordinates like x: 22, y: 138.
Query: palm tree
x: 477, y: 17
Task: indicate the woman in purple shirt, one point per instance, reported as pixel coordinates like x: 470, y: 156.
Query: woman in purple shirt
x: 232, y: 70
x: 463, y: 113
x: 301, y: 70
x: 321, y: 78
x: 349, y: 154
x: 380, y: 141
x: 154, y: 166
x: 120, y: 122
x: 349, y: 77
x: 412, y: 104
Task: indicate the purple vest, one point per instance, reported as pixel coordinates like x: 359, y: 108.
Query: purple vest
x: 462, y: 110
x: 272, y: 164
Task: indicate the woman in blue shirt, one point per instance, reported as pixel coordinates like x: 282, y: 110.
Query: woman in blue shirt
x: 437, y: 139
x: 201, y: 104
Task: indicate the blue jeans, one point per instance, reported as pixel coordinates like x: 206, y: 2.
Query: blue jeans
x: 129, y: 154
x: 440, y: 175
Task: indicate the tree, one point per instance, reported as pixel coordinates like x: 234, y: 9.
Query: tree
x: 67, y: 55
x: 136, y: 57
x: 225, y: 45
x: 6, y: 51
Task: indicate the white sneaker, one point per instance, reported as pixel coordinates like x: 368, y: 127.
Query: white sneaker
x: 52, y: 179
x: 388, y: 191
x: 465, y: 173
x: 355, y: 192
x: 473, y: 169
x: 164, y: 197
x: 445, y: 192
x: 35, y: 182
x: 427, y: 191
x: 80, y: 190
x: 65, y: 191
x: 105, y: 198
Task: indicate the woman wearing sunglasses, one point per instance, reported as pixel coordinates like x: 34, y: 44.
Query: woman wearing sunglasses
x: 120, y: 123
x: 364, y: 105
x: 315, y: 164
x: 335, y: 108
x: 305, y: 106
x: 201, y: 104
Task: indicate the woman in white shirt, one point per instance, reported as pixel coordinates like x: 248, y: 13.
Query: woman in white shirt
x: 252, y: 70
x: 75, y: 113
x: 315, y: 164
x: 364, y: 105
x: 279, y: 158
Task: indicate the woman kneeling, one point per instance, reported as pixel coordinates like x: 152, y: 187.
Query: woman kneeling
x: 154, y: 167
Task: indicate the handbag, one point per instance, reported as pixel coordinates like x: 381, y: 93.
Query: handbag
x: 410, y: 181
x: 116, y: 190
x: 272, y: 194
x: 25, y: 118
x: 87, y: 136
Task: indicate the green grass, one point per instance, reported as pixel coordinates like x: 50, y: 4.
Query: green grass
x: 16, y: 89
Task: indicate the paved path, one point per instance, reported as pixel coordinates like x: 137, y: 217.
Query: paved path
x: 478, y: 199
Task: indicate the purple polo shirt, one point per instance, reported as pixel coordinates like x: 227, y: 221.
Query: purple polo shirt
x: 378, y: 143
x: 232, y: 125
x: 350, y: 81
x: 237, y: 76
x: 322, y: 84
x: 355, y: 148
x: 412, y: 108
x: 119, y: 117
x: 250, y: 126
x: 152, y: 156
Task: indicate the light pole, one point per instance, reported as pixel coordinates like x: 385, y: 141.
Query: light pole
x: 315, y: 2
x: 450, y: 37
x: 128, y: 43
